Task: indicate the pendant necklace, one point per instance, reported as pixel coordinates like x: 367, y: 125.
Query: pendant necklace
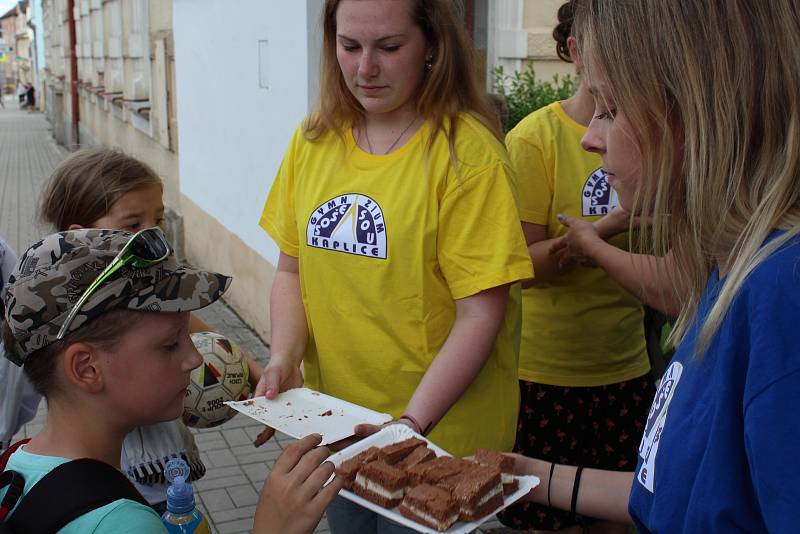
x: 369, y: 145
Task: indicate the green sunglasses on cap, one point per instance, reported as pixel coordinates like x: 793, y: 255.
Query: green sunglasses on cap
x: 145, y: 248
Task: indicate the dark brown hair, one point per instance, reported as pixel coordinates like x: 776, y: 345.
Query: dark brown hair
x: 563, y: 30
x: 103, y: 332
x: 85, y: 185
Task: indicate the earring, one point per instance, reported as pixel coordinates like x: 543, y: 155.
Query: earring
x: 428, y: 63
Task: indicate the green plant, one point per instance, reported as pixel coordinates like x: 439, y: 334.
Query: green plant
x: 521, y: 93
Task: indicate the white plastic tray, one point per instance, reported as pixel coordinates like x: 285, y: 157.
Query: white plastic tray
x: 302, y: 411
x: 393, y: 434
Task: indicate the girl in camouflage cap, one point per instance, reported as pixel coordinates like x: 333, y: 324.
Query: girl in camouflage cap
x: 103, y: 187
x: 124, y: 361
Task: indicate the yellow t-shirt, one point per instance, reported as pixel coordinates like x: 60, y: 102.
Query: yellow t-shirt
x: 385, y: 244
x: 582, y: 328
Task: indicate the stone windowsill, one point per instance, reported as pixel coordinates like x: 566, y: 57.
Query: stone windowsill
x: 140, y: 107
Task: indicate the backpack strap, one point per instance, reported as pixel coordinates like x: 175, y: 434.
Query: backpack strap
x: 9, y: 451
x: 16, y: 486
x: 12, y: 479
x: 69, y: 491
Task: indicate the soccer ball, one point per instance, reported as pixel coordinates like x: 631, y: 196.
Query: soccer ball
x: 222, y: 377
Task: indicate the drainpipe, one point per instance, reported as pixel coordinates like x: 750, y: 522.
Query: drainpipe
x: 73, y: 74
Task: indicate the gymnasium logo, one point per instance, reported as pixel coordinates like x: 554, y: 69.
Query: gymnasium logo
x: 656, y: 420
x: 350, y: 223
x: 598, y: 196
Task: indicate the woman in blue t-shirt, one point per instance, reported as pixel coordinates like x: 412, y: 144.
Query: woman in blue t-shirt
x: 698, y: 123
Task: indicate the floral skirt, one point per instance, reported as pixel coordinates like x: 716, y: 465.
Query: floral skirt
x: 598, y: 427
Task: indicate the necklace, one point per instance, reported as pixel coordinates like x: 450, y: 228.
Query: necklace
x: 369, y: 145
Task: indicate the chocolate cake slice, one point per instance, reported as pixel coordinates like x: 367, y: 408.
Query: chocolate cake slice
x: 418, y: 456
x: 446, y: 472
x: 397, y: 451
x: 502, y: 462
x: 380, y: 483
x: 434, y: 470
x: 479, y: 492
x: 430, y: 506
x: 450, y: 482
x: 349, y: 468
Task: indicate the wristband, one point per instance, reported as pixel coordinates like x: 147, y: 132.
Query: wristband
x: 550, y: 483
x: 417, y: 427
x: 575, y: 487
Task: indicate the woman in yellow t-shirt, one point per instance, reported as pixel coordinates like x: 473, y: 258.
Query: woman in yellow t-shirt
x: 584, y: 370
x: 399, y: 238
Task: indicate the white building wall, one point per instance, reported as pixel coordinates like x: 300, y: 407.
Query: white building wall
x: 243, y: 72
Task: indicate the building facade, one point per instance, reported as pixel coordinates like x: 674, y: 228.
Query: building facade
x: 523, y: 36
x: 117, y: 89
x: 235, y: 126
x: 209, y: 92
x: 25, y: 61
x: 8, y: 37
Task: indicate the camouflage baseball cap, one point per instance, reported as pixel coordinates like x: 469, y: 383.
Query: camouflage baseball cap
x: 52, y: 274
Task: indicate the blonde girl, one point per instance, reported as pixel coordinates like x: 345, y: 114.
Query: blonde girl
x: 697, y: 121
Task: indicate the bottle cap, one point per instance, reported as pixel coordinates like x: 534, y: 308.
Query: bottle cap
x: 180, y: 496
x: 176, y: 467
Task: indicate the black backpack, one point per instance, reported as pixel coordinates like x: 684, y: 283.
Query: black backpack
x: 65, y: 493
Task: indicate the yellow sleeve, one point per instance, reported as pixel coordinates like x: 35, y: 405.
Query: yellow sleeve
x: 278, y: 218
x: 480, y: 243
x: 533, y: 185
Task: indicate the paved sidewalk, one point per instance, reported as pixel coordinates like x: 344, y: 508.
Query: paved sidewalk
x: 235, y: 469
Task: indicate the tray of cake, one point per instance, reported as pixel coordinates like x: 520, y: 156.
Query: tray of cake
x: 302, y: 411
x: 407, y: 478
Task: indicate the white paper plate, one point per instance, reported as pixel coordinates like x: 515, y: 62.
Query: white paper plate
x: 302, y: 411
x: 393, y: 434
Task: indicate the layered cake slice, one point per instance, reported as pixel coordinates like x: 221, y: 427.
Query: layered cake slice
x: 397, y: 451
x: 479, y: 492
x: 504, y: 463
x: 434, y: 470
x: 430, y: 506
x: 380, y: 483
x: 349, y: 468
x: 418, y: 456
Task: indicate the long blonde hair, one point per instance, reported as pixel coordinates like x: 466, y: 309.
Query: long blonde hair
x: 449, y: 88
x: 711, y: 90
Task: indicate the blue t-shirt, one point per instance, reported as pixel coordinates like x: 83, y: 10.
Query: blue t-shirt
x: 122, y: 516
x: 720, y: 448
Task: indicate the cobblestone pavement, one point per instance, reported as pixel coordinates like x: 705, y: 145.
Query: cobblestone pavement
x: 235, y: 469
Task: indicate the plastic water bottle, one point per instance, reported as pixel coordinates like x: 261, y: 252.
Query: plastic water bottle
x: 182, y: 516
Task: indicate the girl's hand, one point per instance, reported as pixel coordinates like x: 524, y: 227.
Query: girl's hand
x: 616, y: 222
x: 294, y: 497
x: 523, y: 465
x: 362, y: 431
x: 577, y: 245
x: 279, y: 375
